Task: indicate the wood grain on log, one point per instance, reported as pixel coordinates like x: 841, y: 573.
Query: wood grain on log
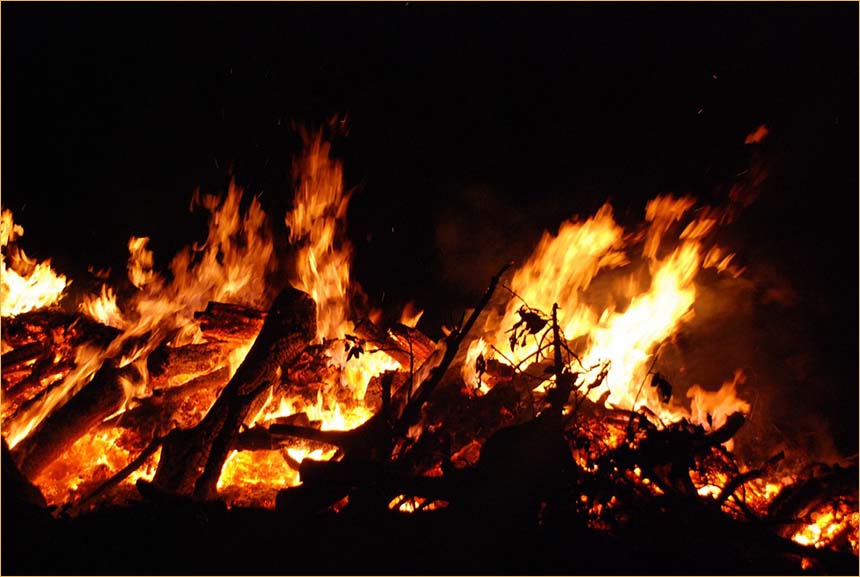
x: 400, y: 343
x: 97, y: 400
x: 230, y: 323
x: 166, y: 363
x: 192, y: 460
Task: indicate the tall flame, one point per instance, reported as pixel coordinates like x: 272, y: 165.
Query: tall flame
x: 25, y: 284
x: 619, y: 343
x: 316, y: 224
x: 231, y: 265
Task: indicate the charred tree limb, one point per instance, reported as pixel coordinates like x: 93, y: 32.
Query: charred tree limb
x: 15, y: 358
x: 32, y: 389
x: 412, y: 410
x: 35, y: 326
x: 165, y: 363
x: 407, y: 346
x: 155, y: 414
x: 230, y: 323
x: 739, y: 480
x: 262, y: 439
x: 117, y: 478
x: 97, y: 400
x: 191, y: 461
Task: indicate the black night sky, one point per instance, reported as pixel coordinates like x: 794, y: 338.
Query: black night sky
x: 490, y: 122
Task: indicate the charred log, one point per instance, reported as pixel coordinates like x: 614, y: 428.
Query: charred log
x: 96, y: 401
x: 166, y: 363
x: 230, y: 323
x: 408, y: 346
x: 191, y: 461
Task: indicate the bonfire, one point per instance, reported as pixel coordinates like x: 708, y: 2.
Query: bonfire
x: 226, y: 379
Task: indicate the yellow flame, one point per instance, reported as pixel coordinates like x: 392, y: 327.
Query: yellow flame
x: 411, y: 315
x: 828, y: 522
x: 103, y: 308
x: 25, y: 284
x: 618, y: 341
x: 88, y: 359
x: 315, y: 223
x: 140, y: 262
x: 718, y: 404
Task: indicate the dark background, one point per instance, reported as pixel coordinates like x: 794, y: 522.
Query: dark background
x: 473, y: 127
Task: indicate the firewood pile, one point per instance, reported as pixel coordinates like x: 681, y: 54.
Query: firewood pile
x: 206, y: 423
x: 512, y: 458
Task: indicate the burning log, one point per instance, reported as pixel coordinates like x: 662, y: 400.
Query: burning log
x: 408, y: 346
x: 166, y: 363
x: 46, y: 326
x: 12, y: 360
x: 191, y: 460
x: 156, y: 414
x: 230, y: 323
x: 96, y: 401
x: 372, y: 442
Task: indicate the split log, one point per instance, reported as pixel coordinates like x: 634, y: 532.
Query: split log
x: 166, y: 363
x: 230, y: 323
x: 34, y: 326
x: 32, y: 389
x: 263, y: 439
x: 192, y: 460
x: 156, y: 415
x: 96, y: 401
x: 13, y: 360
x: 409, y: 347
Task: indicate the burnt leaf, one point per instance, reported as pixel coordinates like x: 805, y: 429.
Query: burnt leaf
x: 533, y: 321
x: 353, y: 346
x: 480, y: 368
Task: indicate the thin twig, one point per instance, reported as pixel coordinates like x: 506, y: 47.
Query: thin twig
x: 638, y: 392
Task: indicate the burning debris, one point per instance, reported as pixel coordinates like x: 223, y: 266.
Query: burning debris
x: 545, y: 405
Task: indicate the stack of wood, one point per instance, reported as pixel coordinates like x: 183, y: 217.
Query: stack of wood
x: 432, y: 441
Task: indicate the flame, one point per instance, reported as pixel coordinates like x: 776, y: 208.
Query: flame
x: 619, y: 334
x: 140, y: 262
x: 317, y: 227
x: 317, y: 222
x: 711, y: 409
x: 103, y: 308
x: 230, y: 266
x: 411, y: 315
x: 25, y: 284
x: 476, y: 350
x: 88, y: 359
x: 828, y: 523
x: 620, y: 342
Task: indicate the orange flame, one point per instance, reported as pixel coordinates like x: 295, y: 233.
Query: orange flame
x: 318, y: 217
x: 619, y: 343
x: 25, y: 284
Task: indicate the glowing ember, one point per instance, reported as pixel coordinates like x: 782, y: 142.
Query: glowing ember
x: 830, y: 522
